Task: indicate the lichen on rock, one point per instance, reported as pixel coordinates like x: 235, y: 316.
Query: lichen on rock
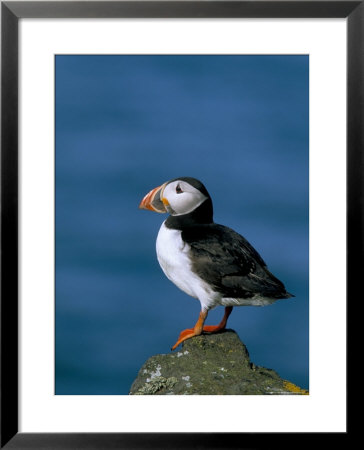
x: 215, y: 364
x: 156, y: 384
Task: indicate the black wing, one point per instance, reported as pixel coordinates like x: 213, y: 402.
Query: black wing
x: 226, y: 260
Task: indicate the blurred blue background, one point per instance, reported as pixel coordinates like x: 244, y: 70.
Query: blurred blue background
x: 125, y: 124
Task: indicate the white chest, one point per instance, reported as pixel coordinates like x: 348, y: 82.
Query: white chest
x: 172, y: 254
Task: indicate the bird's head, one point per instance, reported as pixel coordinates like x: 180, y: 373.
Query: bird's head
x: 178, y: 197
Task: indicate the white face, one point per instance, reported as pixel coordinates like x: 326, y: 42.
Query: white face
x: 182, y: 198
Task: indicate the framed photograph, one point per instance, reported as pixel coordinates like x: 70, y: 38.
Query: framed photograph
x: 252, y: 107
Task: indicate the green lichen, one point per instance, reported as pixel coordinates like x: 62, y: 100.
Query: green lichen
x: 156, y: 384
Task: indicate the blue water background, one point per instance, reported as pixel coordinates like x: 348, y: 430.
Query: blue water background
x: 125, y: 124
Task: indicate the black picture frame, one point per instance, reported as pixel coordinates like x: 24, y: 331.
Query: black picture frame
x: 11, y: 12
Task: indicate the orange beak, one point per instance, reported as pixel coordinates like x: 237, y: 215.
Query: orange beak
x: 152, y: 200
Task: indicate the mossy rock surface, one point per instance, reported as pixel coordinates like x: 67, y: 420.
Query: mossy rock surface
x: 215, y: 364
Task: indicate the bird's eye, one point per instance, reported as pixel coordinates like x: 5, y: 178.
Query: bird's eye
x: 178, y: 189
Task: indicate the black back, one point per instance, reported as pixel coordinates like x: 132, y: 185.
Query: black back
x: 227, y: 262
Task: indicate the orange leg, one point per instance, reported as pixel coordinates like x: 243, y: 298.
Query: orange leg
x: 199, y: 327
x: 190, y: 332
x: 222, y: 324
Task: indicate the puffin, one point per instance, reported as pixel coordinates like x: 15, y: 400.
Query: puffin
x: 207, y: 261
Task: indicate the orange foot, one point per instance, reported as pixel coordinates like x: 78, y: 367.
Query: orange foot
x: 183, y: 336
x: 199, y: 327
x: 212, y: 328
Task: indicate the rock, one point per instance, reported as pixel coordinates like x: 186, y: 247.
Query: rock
x: 209, y: 364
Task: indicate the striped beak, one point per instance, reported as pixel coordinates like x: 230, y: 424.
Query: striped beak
x: 152, y: 200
